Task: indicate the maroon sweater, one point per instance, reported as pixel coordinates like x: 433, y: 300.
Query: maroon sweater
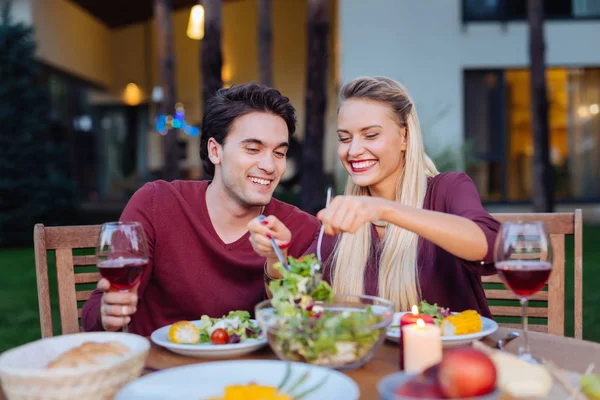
x: 445, y: 279
x: 191, y: 270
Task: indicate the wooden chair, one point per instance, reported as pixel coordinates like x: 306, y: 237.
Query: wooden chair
x: 559, y: 226
x: 63, y: 240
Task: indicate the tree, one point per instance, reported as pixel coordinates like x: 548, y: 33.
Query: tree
x: 313, y: 197
x: 543, y: 185
x: 34, y: 186
x: 166, y: 61
x: 265, y: 41
x: 211, y: 53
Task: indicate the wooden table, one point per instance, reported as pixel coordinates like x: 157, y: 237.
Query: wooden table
x: 571, y: 354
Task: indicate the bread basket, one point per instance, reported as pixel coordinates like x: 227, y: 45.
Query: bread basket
x: 23, y: 372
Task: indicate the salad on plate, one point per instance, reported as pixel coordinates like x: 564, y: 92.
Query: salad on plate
x: 235, y: 327
x: 457, y: 328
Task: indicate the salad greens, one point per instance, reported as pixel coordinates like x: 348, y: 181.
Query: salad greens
x: 433, y: 310
x: 236, y: 323
x: 305, y: 330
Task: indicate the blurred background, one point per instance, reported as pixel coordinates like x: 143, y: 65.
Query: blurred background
x: 98, y: 97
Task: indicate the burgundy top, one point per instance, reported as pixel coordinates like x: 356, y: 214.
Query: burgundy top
x: 445, y: 279
x: 191, y: 270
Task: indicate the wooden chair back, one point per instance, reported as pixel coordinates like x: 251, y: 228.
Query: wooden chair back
x: 553, y: 300
x: 63, y: 240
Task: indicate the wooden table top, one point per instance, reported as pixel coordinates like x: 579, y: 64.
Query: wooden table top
x: 570, y: 354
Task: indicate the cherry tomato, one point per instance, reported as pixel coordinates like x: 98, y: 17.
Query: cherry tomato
x: 219, y: 336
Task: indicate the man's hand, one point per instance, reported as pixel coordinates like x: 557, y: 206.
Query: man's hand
x: 116, y: 307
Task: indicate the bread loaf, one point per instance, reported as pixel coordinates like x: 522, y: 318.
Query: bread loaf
x: 90, y: 354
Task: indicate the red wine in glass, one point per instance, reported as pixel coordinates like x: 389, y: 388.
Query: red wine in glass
x: 523, y: 277
x: 122, y: 273
x: 523, y: 257
x: 121, y: 256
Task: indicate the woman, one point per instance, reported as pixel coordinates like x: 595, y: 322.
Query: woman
x: 402, y: 230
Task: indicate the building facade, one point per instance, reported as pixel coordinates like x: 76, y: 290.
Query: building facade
x: 101, y: 69
x: 465, y: 63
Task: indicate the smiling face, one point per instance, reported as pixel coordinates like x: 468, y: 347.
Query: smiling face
x: 371, y: 143
x: 252, y: 159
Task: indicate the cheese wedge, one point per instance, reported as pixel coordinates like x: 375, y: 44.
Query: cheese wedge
x: 520, y: 379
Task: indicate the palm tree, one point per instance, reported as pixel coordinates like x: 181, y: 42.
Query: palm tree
x: 265, y: 39
x: 543, y: 185
x: 211, y: 53
x: 166, y: 60
x: 316, y: 101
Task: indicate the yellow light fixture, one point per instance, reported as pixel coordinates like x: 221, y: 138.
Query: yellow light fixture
x: 226, y: 73
x: 132, y: 95
x: 195, y: 29
x: 594, y: 109
x: 583, y: 111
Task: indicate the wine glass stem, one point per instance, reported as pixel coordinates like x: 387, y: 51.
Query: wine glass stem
x: 525, y: 350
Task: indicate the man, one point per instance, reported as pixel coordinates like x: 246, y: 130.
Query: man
x: 201, y: 260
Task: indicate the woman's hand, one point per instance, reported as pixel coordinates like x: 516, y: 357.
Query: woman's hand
x: 261, y: 234
x: 348, y: 213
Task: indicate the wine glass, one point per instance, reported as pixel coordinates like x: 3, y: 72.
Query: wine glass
x: 121, y: 255
x: 523, y: 256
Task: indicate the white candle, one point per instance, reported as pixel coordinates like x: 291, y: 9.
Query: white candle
x: 422, y: 346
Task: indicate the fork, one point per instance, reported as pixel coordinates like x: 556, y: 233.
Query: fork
x: 319, y: 274
x: 505, y: 340
x: 261, y: 218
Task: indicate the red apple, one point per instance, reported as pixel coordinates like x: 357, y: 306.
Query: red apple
x: 466, y: 372
x: 431, y: 373
x: 420, y: 389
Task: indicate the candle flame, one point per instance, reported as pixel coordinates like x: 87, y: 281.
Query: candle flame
x: 415, y: 310
x: 420, y: 323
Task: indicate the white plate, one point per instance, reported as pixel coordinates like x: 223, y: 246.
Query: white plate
x: 207, y: 350
x: 201, y: 381
x: 488, y: 327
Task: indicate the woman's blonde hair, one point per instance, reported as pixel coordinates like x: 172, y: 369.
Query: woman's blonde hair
x: 398, y: 274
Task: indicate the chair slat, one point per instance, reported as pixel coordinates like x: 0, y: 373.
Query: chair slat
x: 557, y: 223
x: 556, y: 287
x: 507, y: 311
x: 88, y: 277
x: 84, y: 260
x: 74, y: 237
x: 500, y: 294
x: 43, y: 286
x: 530, y: 327
x: 83, y: 295
x: 578, y: 272
x: 65, y: 277
x: 491, y: 279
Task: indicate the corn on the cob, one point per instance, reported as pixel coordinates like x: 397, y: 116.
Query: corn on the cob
x: 184, y: 332
x: 252, y: 391
x: 466, y: 322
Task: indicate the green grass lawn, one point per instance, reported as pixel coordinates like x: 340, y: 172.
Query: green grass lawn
x: 19, y: 317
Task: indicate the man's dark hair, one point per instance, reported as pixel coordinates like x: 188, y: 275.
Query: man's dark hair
x: 229, y: 104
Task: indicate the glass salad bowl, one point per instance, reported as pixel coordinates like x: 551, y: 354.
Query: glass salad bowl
x: 343, y: 333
